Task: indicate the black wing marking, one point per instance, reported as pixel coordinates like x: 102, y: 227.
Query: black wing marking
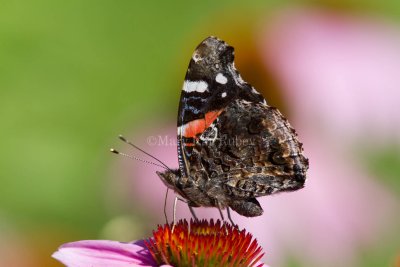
x: 211, y: 84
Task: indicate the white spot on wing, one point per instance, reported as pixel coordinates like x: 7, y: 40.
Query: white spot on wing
x: 196, y: 57
x: 236, y: 76
x: 254, y: 90
x: 223, y: 94
x: 220, y: 78
x: 211, y: 134
x: 240, y: 80
x: 195, y: 86
x: 182, y: 129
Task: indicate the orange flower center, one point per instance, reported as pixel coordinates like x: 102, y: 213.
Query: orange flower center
x: 204, y: 243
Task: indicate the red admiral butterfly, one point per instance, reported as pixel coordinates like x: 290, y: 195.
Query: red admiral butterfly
x: 232, y: 146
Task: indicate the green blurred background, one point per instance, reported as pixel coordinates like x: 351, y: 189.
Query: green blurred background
x: 75, y: 74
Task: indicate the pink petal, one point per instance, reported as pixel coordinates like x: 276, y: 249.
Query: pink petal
x: 102, y: 253
x: 260, y: 264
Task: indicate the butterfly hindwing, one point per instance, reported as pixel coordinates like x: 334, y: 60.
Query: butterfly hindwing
x: 252, y: 150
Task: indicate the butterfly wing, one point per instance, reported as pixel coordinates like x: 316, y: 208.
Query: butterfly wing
x: 211, y: 84
x: 249, y: 151
x: 232, y: 146
x: 256, y: 151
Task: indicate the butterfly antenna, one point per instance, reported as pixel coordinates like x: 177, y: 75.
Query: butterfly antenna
x: 138, y: 148
x: 133, y: 157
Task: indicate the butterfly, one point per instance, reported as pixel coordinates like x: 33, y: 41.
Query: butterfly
x: 232, y: 146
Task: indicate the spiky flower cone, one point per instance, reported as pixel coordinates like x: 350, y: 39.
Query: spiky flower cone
x: 204, y: 243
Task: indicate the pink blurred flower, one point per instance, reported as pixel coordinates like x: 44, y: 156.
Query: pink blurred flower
x: 340, y: 73
x: 340, y: 76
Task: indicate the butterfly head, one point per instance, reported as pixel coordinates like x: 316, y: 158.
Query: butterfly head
x: 170, y: 178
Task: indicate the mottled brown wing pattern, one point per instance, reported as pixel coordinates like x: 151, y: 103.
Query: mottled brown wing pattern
x: 250, y: 150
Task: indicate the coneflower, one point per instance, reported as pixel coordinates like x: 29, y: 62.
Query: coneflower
x: 198, y: 243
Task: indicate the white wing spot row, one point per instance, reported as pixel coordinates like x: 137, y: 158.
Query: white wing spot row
x: 195, y: 86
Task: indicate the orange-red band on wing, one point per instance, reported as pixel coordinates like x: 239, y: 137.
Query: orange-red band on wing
x: 193, y: 128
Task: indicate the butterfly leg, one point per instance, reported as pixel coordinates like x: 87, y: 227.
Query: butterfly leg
x: 165, y: 206
x: 174, y: 214
x: 220, y: 212
x: 174, y: 211
x: 222, y: 217
x: 193, y: 213
x: 230, y: 218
